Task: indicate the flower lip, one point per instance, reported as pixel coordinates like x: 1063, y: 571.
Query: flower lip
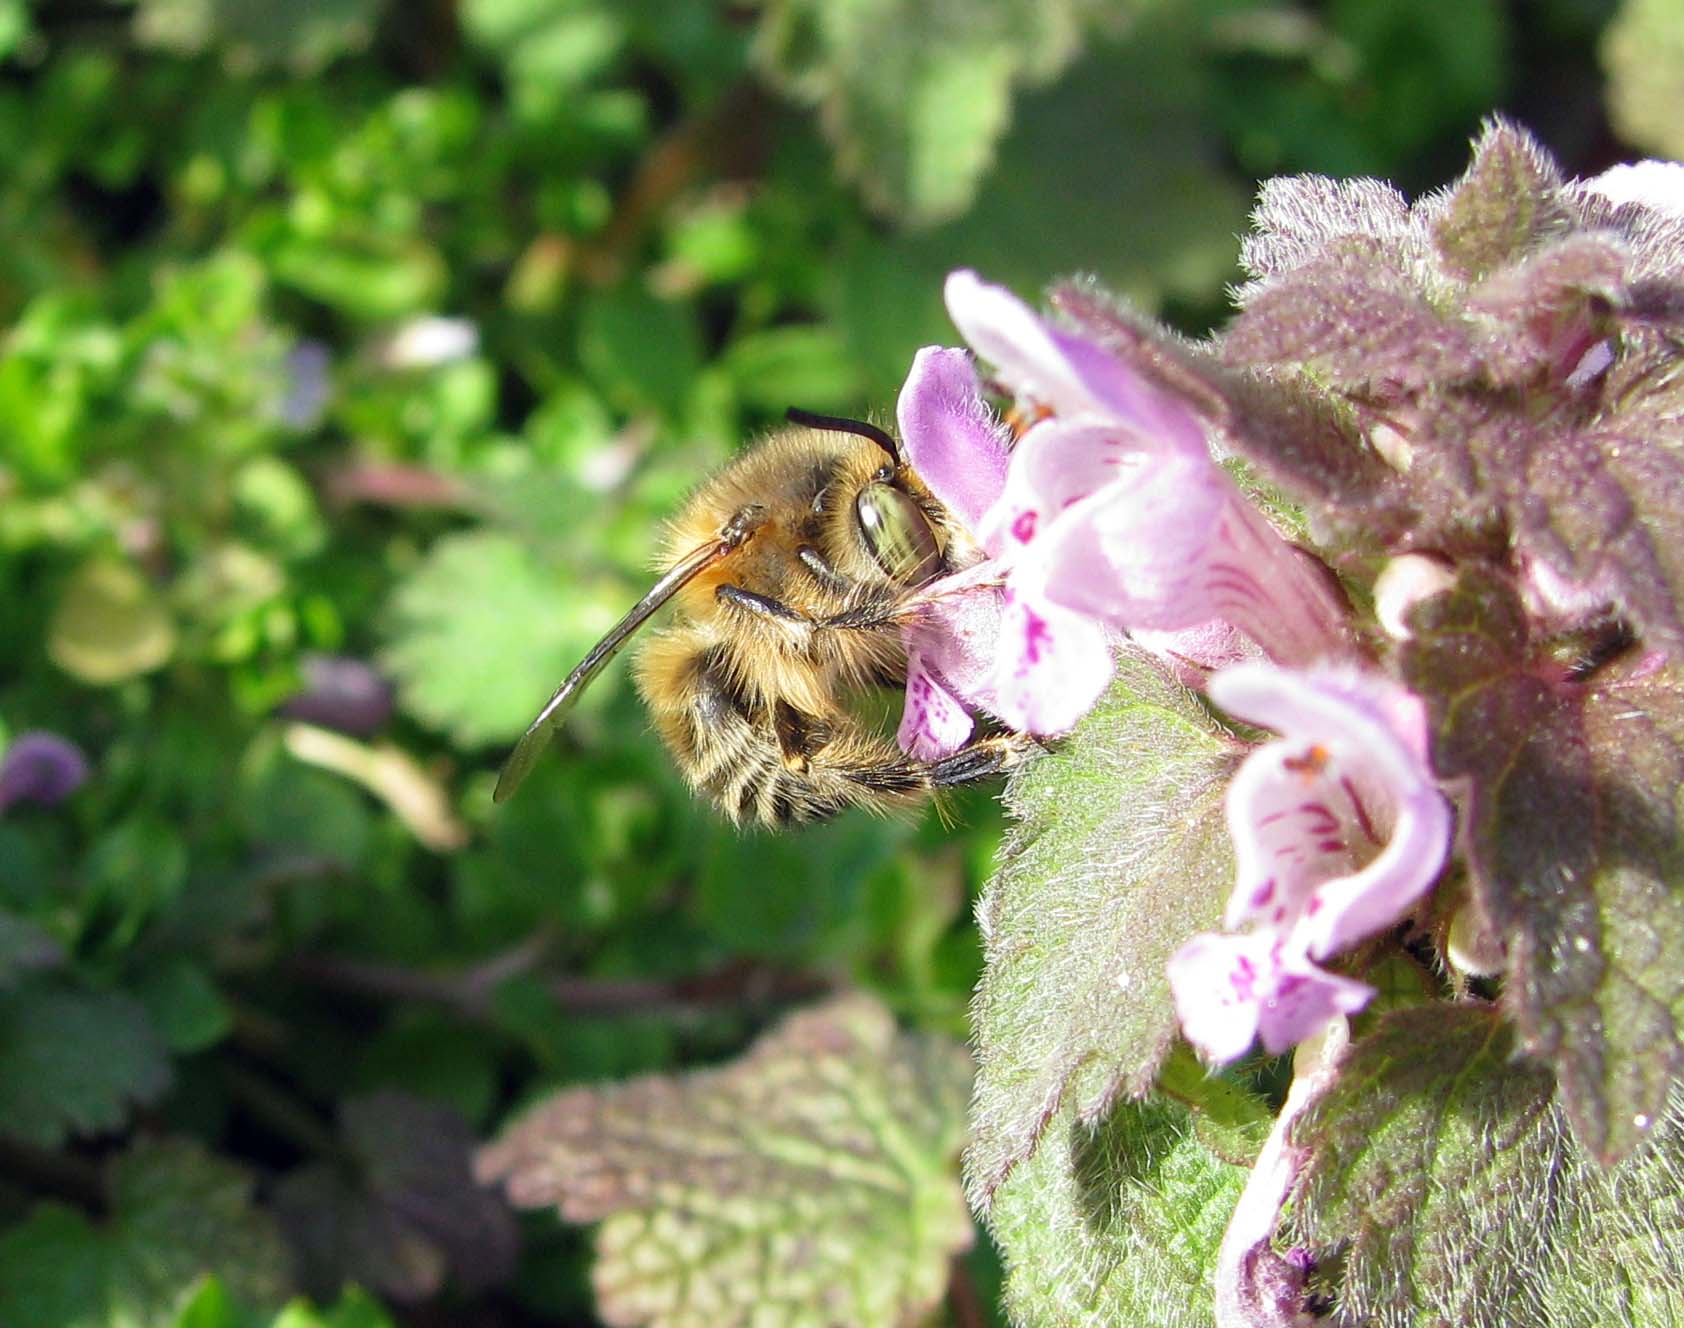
x: 1351, y: 761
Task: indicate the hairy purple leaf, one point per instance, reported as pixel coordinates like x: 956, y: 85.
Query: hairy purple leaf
x: 1573, y: 844
x: 1298, y: 218
x: 1540, y: 316
x: 1290, y: 434
x: 1509, y: 199
x: 1352, y: 318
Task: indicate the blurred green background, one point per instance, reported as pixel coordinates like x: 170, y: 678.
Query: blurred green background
x: 352, y: 353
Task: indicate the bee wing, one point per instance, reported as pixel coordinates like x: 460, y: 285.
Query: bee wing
x: 551, y: 717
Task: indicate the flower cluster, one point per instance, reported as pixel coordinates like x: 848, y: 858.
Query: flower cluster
x: 1110, y: 516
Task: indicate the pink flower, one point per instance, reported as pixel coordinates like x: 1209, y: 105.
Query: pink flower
x: 952, y: 440
x: 1114, y: 515
x: 1338, y: 830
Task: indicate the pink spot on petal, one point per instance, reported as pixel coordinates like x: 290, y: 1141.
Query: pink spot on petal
x: 1037, y: 636
x: 1023, y: 529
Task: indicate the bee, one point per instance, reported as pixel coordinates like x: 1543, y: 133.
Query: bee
x: 791, y: 573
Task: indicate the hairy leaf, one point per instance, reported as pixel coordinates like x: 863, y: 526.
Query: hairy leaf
x: 1442, y: 1186
x: 1120, y: 854
x: 812, y: 1181
x: 178, y: 1214
x: 914, y: 96
x: 478, y: 637
x: 1431, y: 1150
x: 1509, y: 200
x: 1574, y: 846
x: 405, y: 1213
x: 1351, y: 317
x: 1299, y: 218
x: 1548, y: 307
x: 1115, y: 1222
x: 1620, y: 1242
x: 73, y: 1061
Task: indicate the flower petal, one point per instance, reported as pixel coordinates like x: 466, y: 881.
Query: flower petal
x: 934, y: 723
x: 950, y: 435
x: 1657, y: 185
x: 1231, y: 989
x: 1052, y: 665
x: 1351, y: 761
x: 1056, y: 465
x: 1067, y: 373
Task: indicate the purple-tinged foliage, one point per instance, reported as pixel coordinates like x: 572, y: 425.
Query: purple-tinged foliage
x: 1509, y: 336
x: 1572, y: 845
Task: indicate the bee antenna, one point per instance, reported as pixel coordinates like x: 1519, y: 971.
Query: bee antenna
x: 835, y: 424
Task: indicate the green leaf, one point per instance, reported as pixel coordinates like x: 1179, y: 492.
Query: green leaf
x: 178, y: 1214
x: 1574, y: 845
x: 184, y: 1004
x: 793, y: 366
x: 644, y: 353
x: 1115, y: 1222
x: 302, y: 36
x: 24, y: 949
x: 108, y: 625
x: 1432, y: 1147
x: 478, y: 636
x: 1442, y: 1186
x: 810, y: 1181
x: 73, y: 1061
x: 1643, y: 52
x: 914, y: 96
x: 1120, y: 855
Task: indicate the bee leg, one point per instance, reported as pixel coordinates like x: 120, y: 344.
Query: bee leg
x: 760, y: 605
x: 799, y: 736
x: 874, y: 615
x: 980, y: 758
x: 815, y: 562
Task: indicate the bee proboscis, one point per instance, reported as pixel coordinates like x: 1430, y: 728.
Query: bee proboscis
x: 791, y: 573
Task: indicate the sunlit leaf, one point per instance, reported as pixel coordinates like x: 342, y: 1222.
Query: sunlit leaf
x: 1643, y: 52
x: 302, y: 36
x: 914, y: 96
x: 478, y: 636
x: 109, y: 625
x: 1120, y: 854
x: 1116, y: 1221
x: 813, y: 1180
x: 1441, y: 1185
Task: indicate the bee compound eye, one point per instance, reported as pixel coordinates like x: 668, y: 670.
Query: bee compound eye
x: 897, y: 534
